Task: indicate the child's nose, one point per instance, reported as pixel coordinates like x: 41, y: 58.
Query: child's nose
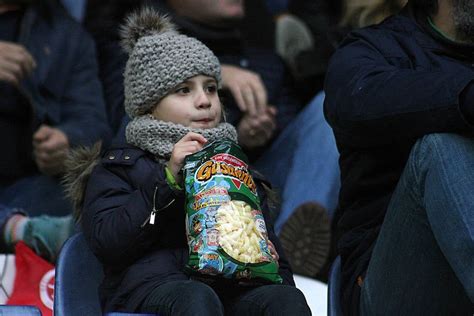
x: 203, y: 100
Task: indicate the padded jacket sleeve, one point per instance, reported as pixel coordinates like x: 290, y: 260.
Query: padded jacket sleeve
x: 119, y: 199
x: 379, y: 89
x: 83, y: 116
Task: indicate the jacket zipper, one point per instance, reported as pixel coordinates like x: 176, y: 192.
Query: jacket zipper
x: 151, y: 218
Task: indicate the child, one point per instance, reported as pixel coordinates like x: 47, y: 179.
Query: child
x: 171, y: 84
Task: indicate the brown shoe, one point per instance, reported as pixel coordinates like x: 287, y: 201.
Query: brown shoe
x: 306, y: 238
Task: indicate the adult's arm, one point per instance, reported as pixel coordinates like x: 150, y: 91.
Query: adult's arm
x: 372, y: 99
x: 83, y: 117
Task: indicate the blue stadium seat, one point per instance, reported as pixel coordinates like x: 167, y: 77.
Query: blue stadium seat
x: 78, y: 274
x: 13, y: 310
x: 334, y: 289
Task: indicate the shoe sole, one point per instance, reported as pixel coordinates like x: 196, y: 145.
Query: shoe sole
x: 306, y: 239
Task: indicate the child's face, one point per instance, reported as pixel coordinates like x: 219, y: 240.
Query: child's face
x: 193, y: 103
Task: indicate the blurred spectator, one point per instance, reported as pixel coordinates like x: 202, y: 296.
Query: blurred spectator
x: 51, y: 101
x: 258, y: 17
x: 400, y: 100
x: 102, y: 20
x: 304, y: 40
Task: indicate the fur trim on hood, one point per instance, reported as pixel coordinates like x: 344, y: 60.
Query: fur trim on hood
x: 79, y: 165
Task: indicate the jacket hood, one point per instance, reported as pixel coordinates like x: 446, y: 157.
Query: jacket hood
x: 79, y: 165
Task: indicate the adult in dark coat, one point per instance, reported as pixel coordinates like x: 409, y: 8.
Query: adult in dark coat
x: 51, y: 101
x: 400, y: 99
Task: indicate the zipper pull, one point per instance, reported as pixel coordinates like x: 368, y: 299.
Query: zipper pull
x: 152, y: 217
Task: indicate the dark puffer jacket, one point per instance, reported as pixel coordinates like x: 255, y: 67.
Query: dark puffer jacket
x: 137, y: 257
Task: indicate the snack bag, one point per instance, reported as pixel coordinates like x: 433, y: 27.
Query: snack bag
x: 225, y: 227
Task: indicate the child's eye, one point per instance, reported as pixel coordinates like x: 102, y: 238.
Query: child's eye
x: 182, y: 90
x: 211, y: 88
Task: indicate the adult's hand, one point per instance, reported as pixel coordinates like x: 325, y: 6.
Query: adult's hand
x: 256, y: 131
x: 15, y: 62
x: 51, y: 147
x: 247, y: 89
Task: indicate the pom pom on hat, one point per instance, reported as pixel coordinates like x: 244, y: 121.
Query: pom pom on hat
x: 145, y: 22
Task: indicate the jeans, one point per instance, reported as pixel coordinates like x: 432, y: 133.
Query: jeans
x: 423, y: 260
x: 36, y: 195
x: 302, y: 162
x: 196, y: 298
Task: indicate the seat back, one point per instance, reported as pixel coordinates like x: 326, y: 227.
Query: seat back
x: 334, y: 289
x: 14, y: 310
x: 78, y: 274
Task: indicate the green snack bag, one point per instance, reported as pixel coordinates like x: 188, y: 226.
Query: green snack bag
x: 226, y: 231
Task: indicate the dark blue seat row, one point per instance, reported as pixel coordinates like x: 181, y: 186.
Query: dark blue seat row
x: 78, y: 274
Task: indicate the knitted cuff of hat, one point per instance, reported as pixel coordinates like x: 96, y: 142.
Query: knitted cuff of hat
x: 14, y: 230
x: 46, y: 234
x: 159, y: 137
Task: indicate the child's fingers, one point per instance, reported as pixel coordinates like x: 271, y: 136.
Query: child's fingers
x: 194, y: 136
x: 191, y: 146
x: 273, y: 251
x: 182, y: 150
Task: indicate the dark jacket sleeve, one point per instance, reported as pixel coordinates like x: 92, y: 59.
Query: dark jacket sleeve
x: 83, y: 116
x: 116, y: 207
x: 375, y: 97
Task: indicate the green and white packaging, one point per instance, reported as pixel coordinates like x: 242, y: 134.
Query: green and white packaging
x: 227, y: 235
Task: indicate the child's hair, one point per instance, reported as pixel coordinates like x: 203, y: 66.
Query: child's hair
x: 159, y: 59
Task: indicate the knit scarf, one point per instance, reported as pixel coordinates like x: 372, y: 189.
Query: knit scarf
x: 159, y: 137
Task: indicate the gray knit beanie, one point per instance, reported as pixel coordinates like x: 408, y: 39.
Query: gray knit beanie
x: 159, y: 59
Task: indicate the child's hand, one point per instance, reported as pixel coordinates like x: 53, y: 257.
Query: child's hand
x: 273, y: 251
x: 189, y: 144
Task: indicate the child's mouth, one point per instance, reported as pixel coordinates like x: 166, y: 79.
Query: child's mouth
x: 206, y: 120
